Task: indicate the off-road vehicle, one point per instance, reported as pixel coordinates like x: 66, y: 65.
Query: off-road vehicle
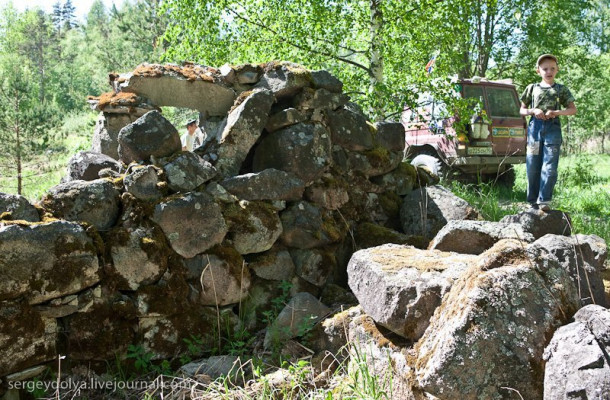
x: 485, y: 147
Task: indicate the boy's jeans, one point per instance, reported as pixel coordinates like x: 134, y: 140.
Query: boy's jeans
x: 543, y: 144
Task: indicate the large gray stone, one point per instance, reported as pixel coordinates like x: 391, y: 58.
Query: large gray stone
x: 350, y: 130
x: 165, y: 336
x: 188, y: 86
x: 375, y: 162
x: 296, y: 318
x: 221, y: 275
x: 540, y: 223
x: 86, y: 165
x: 302, y: 149
x: 244, y: 126
x: 188, y: 171
x: 95, y: 202
x: 44, y: 261
x: 26, y: 338
x: 138, y: 257
x: 273, y: 265
x: 320, y: 99
x: 305, y: 228
x: 151, y: 135
x: 323, y: 79
x: 314, y: 265
x: 390, y: 135
x: 583, y: 258
x: 192, y: 223
x: 253, y: 226
x: 284, y: 79
x: 329, y: 192
x: 143, y: 183
x: 426, y: 210
x: 474, y: 237
x: 284, y: 118
x: 487, y: 337
x: 577, y: 363
x: 215, y: 367
x: 400, y: 287
x: 400, y: 180
x: 18, y: 207
x: 106, y: 135
x: 100, y: 332
x: 269, y: 184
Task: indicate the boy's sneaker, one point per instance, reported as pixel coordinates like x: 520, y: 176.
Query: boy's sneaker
x: 533, y: 206
x: 544, y: 206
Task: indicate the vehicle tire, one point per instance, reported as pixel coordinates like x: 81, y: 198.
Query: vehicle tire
x: 432, y: 163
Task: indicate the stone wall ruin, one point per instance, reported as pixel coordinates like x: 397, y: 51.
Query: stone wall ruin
x: 141, y: 242
x: 295, y: 195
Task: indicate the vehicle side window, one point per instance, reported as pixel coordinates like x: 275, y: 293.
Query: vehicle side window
x: 502, y: 103
x: 473, y: 92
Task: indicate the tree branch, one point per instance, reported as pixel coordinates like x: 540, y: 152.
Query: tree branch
x: 296, y: 45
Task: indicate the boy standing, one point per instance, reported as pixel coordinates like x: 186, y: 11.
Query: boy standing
x: 543, y: 102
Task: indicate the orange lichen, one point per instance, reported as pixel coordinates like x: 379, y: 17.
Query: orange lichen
x: 116, y: 99
x: 190, y: 71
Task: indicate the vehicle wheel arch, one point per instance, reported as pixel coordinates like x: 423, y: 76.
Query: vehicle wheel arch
x: 427, y: 149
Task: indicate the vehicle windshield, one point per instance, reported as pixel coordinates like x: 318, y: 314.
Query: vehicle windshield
x: 502, y: 103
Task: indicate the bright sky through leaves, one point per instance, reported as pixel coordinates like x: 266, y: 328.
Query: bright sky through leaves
x: 82, y: 6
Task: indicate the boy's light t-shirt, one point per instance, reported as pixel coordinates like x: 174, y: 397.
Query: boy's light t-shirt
x: 192, y: 141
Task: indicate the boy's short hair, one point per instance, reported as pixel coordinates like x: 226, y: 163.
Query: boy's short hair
x: 191, y: 122
x: 546, y: 57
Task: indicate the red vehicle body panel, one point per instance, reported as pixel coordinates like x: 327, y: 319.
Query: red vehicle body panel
x: 505, y: 144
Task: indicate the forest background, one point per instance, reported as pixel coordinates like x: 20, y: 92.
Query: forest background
x: 51, y: 61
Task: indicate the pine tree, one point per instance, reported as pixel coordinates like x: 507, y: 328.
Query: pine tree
x: 69, y: 19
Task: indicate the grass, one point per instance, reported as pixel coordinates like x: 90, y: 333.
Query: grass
x: 582, y: 190
x: 45, y: 169
x: 252, y: 380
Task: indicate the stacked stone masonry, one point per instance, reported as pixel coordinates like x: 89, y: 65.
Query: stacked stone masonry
x: 293, y: 194
x: 142, y: 241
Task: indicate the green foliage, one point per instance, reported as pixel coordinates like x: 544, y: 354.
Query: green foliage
x: 239, y: 343
x: 364, y: 382
x: 493, y: 201
x: 583, y: 190
x: 278, y: 303
x: 378, y: 49
x: 143, y: 361
x: 46, y: 165
x: 194, y: 348
x: 581, y: 174
x: 585, y: 193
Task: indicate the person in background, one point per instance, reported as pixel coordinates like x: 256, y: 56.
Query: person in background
x: 543, y: 101
x: 193, y: 137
